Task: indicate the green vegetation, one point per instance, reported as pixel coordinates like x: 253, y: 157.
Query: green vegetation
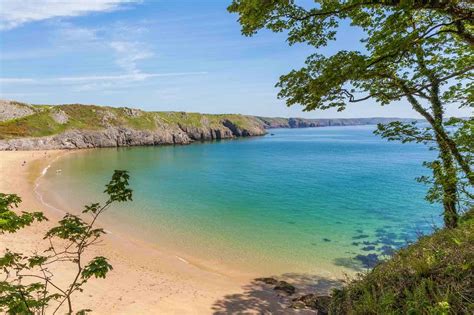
x: 196, y: 120
x: 146, y: 121
x: 90, y: 117
x: 83, y: 117
x: 36, y: 125
x: 241, y: 121
x: 419, y: 51
x: 28, y: 285
x: 191, y: 120
x: 435, y: 275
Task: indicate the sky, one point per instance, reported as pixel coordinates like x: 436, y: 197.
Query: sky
x: 161, y: 55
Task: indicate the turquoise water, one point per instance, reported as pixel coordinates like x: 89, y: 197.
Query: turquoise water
x: 302, y: 200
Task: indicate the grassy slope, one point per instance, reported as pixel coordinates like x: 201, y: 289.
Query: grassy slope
x: 97, y: 117
x: 435, y: 275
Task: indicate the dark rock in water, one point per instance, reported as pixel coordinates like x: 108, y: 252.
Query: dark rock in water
x: 314, y: 302
x: 360, y: 231
x: 368, y: 248
x: 380, y: 231
x: 405, y: 236
x: 368, y: 261
x: 355, y: 243
x: 271, y: 281
x: 348, y: 263
x: 358, y: 237
x: 391, y: 241
x: 326, y: 239
x: 370, y: 243
x: 386, y: 250
x: 391, y: 235
x: 285, y: 287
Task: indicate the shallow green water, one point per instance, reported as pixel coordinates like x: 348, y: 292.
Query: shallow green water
x: 303, y: 200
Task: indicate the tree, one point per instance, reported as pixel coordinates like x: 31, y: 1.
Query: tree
x: 420, y: 51
x: 28, y: 285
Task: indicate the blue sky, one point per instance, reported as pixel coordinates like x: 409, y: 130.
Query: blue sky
x: 154, y: 55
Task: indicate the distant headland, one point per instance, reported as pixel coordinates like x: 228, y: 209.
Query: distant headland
x: 76, y: 126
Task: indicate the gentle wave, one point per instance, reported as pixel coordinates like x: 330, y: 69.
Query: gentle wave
x: 36, y: 186
x: 183, y: 260
x: 40, y: 195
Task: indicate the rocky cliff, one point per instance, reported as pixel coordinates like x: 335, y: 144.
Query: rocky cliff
x: 324, y: 122
x: 38, y: 127
x: 75, y: 126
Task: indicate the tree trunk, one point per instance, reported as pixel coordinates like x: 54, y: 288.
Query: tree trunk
x: 448, y: 181
x: 459, y: 158
x: 446, y: 175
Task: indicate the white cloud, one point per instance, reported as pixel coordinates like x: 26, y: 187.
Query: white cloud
x: 14, y: 13
x: 67, y: 32
x: 128, y: 53
x: 16, y: 80
x: 127, y: 77
x: 94, y: 82
x: 131, y: 77
x: 125, y: 43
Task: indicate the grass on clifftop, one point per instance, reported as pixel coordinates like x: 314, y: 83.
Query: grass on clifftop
x: 91, y: 117
x: 194, y: 120
x: 36, y: 125
x: 197, y: 120
x: 435, y: 275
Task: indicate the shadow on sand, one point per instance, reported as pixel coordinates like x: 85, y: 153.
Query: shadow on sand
x: 260, y: 298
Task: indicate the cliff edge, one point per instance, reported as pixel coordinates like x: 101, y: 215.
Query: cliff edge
x: 76, y: 126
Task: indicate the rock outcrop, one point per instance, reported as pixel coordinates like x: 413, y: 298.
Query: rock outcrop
x: 60, y: 117
x: 319, y: 303
x: 270, y: 122
x: 118, y: 137
x: 12, y: 110
x: 76, y: 126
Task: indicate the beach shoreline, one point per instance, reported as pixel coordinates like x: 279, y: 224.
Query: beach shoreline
x: 138, y: 269
x: 144, y: 279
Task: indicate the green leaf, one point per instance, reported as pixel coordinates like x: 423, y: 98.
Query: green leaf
x: 97, y: 267
x: 117, y: 188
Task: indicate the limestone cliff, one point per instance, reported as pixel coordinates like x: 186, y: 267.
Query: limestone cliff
x: 39, y: 127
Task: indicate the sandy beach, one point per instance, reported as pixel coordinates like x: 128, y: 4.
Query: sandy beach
x: 144, y: 280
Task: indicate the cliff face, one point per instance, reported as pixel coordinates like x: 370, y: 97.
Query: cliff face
x: 26, y: 127
x: 307, y: 123
x: 75, y: 126
x: 11, y: 110
x: 110, y: 137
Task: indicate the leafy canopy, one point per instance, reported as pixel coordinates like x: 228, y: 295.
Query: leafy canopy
x: 386, y: 68
x: 28, y: 285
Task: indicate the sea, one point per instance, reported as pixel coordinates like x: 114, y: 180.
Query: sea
x: 329, y: 200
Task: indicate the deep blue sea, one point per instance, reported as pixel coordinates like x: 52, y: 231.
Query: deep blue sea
x: 332, y: 199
